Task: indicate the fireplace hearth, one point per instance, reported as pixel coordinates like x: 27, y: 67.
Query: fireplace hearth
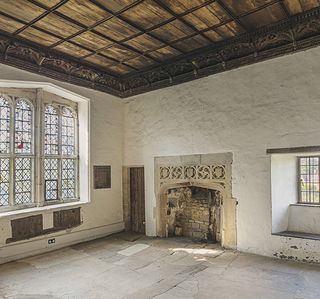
x: 194, y: 198
x: 194, y: 212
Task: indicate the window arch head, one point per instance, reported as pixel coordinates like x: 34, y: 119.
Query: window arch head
x: 5, y: 112
x: 23, y: 127
x: 68, y: 131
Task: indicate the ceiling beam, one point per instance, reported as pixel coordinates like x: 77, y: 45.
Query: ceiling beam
x: 90, y: 28
x: 232, y: 16
x: 217, y: 25
x: 208, y: 28
x: 265, y: 43
x: 54, y: 35
x: 142, y: 31
x: 296, y: 33
x: 137, y: 27
x: 181, y: 19
x: 284, y: 8
x: 48, y: 11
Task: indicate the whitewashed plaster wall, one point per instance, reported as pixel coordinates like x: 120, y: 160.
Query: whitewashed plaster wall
x: 103, y: 214
x: 284, y: 191
x: 244, y: 111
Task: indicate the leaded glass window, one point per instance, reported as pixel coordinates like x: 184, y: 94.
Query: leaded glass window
x: 309, y: 179
x: 5, y: 151
x: 68, y: 178
x: 4, y: 125
x: 23, y: 181
x: 67, y: 126
x: 60, y: 163
x: 16, y: 152
x: 38, y: 164
x: 51, y: 176
x: 4, y: 181
x: 23, y: 127
x: 51, y: 134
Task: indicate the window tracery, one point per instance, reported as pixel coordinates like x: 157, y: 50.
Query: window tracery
x: 50, y: 156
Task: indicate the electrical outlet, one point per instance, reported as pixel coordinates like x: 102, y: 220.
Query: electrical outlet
x: 52, y: 241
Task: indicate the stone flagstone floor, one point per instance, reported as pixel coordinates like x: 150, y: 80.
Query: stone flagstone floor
x: 115, y: 267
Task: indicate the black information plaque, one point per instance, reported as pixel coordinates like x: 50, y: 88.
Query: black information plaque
x: 102, y: 176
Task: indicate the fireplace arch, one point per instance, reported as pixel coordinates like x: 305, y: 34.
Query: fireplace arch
x: 210, y: 172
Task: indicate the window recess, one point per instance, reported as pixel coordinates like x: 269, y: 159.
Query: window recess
x: 309, y: 179
x: 38, y: 164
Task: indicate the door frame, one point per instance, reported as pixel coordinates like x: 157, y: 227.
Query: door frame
x: 126, y: 196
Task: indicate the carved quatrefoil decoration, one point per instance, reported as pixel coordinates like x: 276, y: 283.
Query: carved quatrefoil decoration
x: 218, y: 172
x: 164, y: 173
x: 193, y: 172
x: 204, y: 172
x: 190, y: 172
x: 177, y: 172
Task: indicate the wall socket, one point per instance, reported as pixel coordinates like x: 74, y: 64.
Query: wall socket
x: 52, y: 241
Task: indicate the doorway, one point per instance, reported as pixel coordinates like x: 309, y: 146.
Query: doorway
x: 137, y: 200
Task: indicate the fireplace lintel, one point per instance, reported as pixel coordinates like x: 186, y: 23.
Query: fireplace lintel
x: 183, y: 171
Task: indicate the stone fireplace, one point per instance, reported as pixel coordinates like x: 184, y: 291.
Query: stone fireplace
x: 194, y: 212
x: 194, y: 198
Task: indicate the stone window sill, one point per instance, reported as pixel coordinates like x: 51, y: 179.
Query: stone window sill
x: 306, y: 205
x: 47, y: 208
x: 298, y: 235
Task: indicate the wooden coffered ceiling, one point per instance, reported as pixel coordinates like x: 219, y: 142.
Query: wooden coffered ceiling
x: 126, y: 47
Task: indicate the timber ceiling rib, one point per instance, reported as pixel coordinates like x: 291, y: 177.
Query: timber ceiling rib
x: 126, y: 47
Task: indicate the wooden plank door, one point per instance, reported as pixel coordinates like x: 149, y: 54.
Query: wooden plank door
x: 137, y: 200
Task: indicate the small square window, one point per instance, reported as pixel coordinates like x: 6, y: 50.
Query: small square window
x: 309, y: 180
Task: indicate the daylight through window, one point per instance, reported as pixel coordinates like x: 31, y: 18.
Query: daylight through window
x: 51, y: 175
x: 309, y: 179
x: 60, y: 161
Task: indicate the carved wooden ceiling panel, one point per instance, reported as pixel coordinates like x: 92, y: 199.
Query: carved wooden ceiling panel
x: 126, y: 47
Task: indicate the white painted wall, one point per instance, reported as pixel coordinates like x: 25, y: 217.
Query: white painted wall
x: 305, y: 219
x: 103, y: 214
x: 284, y: 189
x: 287, y: 214
x: 245, y: 111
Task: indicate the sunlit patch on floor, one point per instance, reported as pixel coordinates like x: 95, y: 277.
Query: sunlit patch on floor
x: 199, y: 251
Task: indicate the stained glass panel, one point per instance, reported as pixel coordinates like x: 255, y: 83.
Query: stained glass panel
x: 68, y: 178
x: 67, y: 134
x: 4, y: 181
x: 4, y: 126
x: 23, y: 127
x: 51, y: 174
x: 23, y: 180
x: 51, y: 131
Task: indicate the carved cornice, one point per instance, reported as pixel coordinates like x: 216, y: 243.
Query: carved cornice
x: 54, y: 65
x: 297, y: 33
